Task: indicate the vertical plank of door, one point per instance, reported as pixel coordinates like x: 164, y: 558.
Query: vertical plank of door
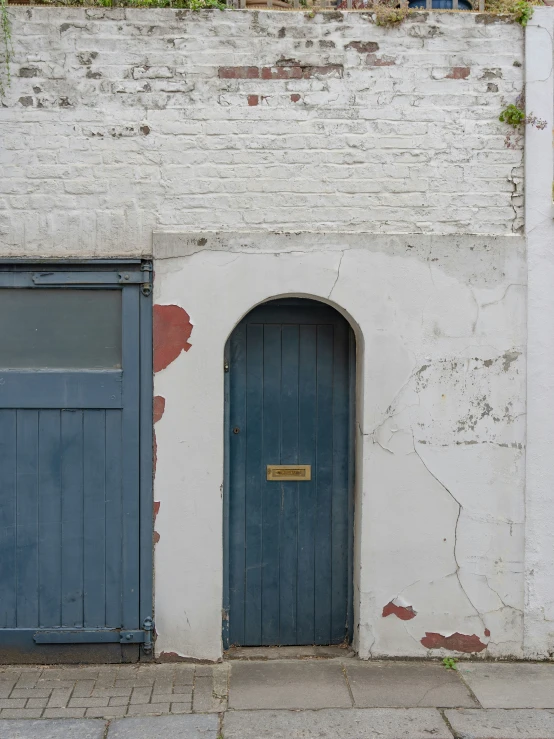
x: 237, y: 482
x: 8, y: 508
x: 340, y: 504
x: 288, y: 555
x: 114, y: 521
x: 254, y: 482
x: 27, y: 518
x: 50, y: 518
x: 323, y: 525
x: 307, y: 500
x: 72, y: 517
x: 94, y: 521
x: 130, y: 455
x: 271, y: 495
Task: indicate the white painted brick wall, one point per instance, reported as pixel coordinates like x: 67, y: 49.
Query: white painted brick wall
x: 119, y: 122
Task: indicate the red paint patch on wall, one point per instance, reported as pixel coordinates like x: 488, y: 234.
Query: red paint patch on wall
x: 458, y: 73
x: 156, y: 537
x: 159, y: 407
x: 487, y: 632
x: 172, y: 330
x: 455, y: 642
x: 295, y: 98
x: 157, y: 505
x: 253, y: 100
x: 404, y: 613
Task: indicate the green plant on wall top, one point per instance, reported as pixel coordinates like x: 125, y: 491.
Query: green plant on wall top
x: 521, y: 11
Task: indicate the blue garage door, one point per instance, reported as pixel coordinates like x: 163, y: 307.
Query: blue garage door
x: 288, y: 503
x: 75, y: 557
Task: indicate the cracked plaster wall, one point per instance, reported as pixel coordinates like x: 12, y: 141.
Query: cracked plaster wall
x: 121, y: 121
x: 440, y: 326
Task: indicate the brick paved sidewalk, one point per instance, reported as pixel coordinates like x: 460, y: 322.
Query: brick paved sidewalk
x: 111, y: 692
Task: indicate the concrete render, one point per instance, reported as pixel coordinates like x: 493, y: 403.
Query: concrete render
x: 251, y: 699
x: 440, y: 420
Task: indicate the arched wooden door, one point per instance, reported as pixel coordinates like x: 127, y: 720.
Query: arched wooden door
x: 290, y: 368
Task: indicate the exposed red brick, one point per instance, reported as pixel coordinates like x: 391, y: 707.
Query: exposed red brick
x: 172, y: 330
x: 363, y: 47
x: 295, y: 98
x: 380, y: 61
x: 253, y: 100
x: 487, y: 632
x: 455, y: 642
x: 335, y: 70
x: 458, y: 73
x: 157, y: 505
x: 300, y: 72
x: 156, y: 537
x: 404, y: 613
x: 282, y: 73
x: 159, y: 407
x: 238, y: 73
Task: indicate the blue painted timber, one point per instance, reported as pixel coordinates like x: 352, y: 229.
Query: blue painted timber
x: 288, y: 545
x: 76, y: 481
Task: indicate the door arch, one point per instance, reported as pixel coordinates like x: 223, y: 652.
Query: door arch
x: 288, y: 532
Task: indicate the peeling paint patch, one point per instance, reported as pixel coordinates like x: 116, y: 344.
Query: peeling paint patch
x: 156, y: 537
x: 455, y: 642
x: 487, y: 632
x: 172, y: 330
x: 157, y: 505
x: 159, y: 407
x: 404, y: 613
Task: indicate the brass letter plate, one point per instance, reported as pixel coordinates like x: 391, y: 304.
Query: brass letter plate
x: 289, y: 472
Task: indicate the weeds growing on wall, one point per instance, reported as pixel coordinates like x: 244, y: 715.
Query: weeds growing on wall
x: 514, y: 115
x: 6, y: 48
x: 388, y: 13
x: 521, y: 11
x: 178, y: 4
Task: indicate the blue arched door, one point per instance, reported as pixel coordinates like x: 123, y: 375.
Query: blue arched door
x: 288, y: 505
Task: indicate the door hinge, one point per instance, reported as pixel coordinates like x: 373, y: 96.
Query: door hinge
x: 148, y: 629
x: 141, y: 278
x: 99, y: 636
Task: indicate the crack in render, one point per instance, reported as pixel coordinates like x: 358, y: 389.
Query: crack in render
x: 338, y: 275
x: 494, y: 302
x: 457, y: 571
x: 515, y: 192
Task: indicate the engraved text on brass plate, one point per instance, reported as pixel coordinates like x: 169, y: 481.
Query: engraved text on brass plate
x: 289, y: 472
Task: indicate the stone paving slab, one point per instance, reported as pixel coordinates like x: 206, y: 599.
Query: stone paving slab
x: 511, y: 685
x: 168, y: 727
x: 62, y: 729
x: 502, y: 723
x: 287, y: 684
x: 406, y: 684
x: 353, y: 723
